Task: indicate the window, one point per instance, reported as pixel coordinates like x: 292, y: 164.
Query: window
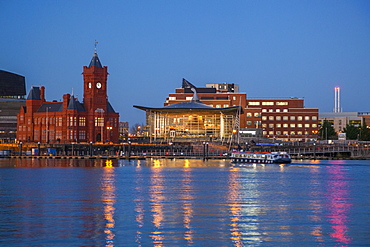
x: 249, y: 123
x: 169, y: 98
x: 278, y: 132
x: 253, y: 103
x: 264, y: 125
x: 257, y: 114
x: 285, y: 125
x: 277, y: 110
x: 299, y: 125
x: 271, y: 117
x: 249, y: 114
x: 292, y: 125
x: 299, y: 133
x: 189, y: 98
x: 285, y: 110
x: 285, y: 133
x: 292, y: 118
x: 82, y: 121
x: 271, y: 132
x: 307, y: 125
x: 307, y: 118
x: 292, y: 133
x: 234, y: 97
x: 314, y: 125
x: 278, y: 118
x: 282, y: 103
x: 264, y: 118
x: 271, y: 125
x: 99, y: 121
x: 218, y: 106
x: 271, y: 110
x: 278, y: 125
x: 314, y: 118
x: 267, y: 103
x: 285, y: 118
x: 226, y: 105
x: 257, y: 123
x: 299, y: 118
x: 264, y: 110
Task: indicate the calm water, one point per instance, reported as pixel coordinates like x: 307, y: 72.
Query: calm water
x: 183, y: 203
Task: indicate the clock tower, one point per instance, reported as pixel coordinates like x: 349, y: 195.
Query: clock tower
x: 95, y: 85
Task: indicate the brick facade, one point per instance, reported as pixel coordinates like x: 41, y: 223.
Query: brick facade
x: 93, y: 120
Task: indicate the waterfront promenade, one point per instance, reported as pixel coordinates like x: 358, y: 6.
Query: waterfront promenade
x: 180, y: 151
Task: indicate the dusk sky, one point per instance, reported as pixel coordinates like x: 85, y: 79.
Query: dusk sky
x: 272, y: 49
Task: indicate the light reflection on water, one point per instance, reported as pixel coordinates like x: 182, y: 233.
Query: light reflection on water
x: 182, y: 202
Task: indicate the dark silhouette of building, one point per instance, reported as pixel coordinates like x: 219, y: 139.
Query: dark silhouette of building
x: 12, y: 92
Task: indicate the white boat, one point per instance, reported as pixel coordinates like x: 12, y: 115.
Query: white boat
x: 264, y: 158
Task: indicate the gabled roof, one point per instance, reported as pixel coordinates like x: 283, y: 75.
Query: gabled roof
x: 75, y: 104
x: 34, y: 93
x: 110, y: 108
x: 95, y: 61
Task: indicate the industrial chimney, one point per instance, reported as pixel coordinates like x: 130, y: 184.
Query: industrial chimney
x: 337, y: 107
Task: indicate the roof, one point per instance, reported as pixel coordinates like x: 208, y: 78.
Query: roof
x: 51, y: 107
x: 34, y: 93
x: 95, y: 61
x: 58, y: 106
x: 188, y: 110
x: 110, y: 108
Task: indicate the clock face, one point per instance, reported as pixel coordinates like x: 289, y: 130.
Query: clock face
x: 98, y: 85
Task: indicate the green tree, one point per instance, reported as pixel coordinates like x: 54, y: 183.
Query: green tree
x: 364, y: 133
x: 327, y: 131
x: 352, y: 132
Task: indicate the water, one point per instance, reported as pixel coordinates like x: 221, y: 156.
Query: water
x: 183, y: 203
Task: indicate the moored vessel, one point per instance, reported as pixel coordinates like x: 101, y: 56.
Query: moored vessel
x: 261, y: 157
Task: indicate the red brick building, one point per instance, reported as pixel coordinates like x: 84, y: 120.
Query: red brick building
x: 93, y: 120
x: 284, y: 119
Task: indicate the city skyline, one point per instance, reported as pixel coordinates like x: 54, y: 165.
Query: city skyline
x: 269, y: 48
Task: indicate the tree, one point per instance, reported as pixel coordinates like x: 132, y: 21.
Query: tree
x: 137, y: 129
x: 352, y: 132
x: 364, y: 133
x: 327, y: 131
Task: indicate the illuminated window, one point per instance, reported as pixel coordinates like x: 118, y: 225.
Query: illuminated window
x: 292, y: 118
x: 82, y: 121
x: 314, y: 118
x: 285, y: 118
x: 306, y: 118
x: 271, y: 125
x: 249, y: 114
x: 99, y: 121
x: 267, y: 103
x: 278, y: 125
x: 264, y: 118
x: 299, y: 118
x: 281, y: 103
x: 271, y: 117
x: 278, y: 118
x: 257, y: 114
x: 285, y: 125
x: 253, y: 103
x: 292, y: 125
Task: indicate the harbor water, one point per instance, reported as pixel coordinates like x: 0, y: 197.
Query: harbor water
x: 183, y: 202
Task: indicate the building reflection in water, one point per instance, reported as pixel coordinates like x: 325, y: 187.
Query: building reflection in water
x: 157, y: 199
x: 108, y: 199
x: 244, y: 208
x: 338, y: 196
x: 187, y: 201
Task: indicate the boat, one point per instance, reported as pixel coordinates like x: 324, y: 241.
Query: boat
x: 264, y: 158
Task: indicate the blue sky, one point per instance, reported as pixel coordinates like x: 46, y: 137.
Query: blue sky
x: 270, y: 48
